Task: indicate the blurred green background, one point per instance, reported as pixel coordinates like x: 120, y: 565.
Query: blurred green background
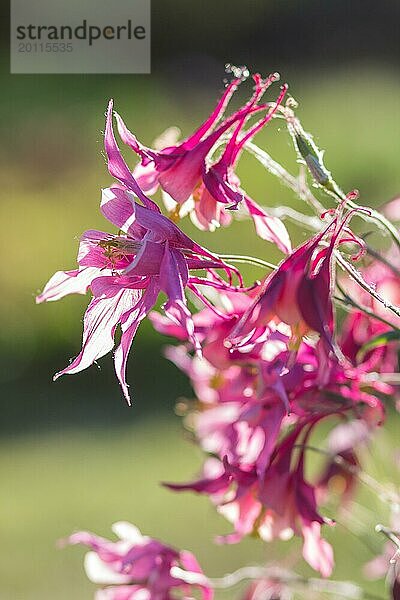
x: 72, y: 454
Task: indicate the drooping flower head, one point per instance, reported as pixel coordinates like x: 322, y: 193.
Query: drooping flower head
x: 127, y: 272
x: 137, y: 567
x: 188, y: 174
x: 299, y: 292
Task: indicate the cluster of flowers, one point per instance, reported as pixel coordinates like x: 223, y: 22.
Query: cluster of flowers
x: 265, y: 362
x: 137, y: 567
x: 259, y: 402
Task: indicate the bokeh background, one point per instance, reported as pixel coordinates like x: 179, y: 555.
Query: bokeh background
x: 72, y: 454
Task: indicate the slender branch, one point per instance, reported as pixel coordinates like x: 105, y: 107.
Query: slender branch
x: 296, y: 184
x: 250, y: 260
x: 384, y: 223
x: 286, y: 212
x: 356, y: 275
x: 312, y: 156
x: 348, y: 301
x: 346, y: 589
x: 389, y: 534
x: 384, y: 494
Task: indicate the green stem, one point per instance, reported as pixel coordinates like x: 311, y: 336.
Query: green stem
x: 345, y: 589
x: 388, y: 533
x: 354, y: 274
x: 250, y: 260
x: 381, y: 219
x: 296, y: 184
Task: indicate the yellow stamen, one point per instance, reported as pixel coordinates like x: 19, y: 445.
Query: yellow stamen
x: 174, y: 214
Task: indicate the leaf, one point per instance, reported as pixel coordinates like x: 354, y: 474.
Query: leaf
x: 380, y: 340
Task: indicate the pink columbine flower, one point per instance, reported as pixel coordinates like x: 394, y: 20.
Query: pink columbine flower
x: 300, y: 291
x: 256, y: 476
x: 137, y: 567
x: 186, y: 173
x: 283, y: 503
x: 127, y: 272
x: 244, y: 394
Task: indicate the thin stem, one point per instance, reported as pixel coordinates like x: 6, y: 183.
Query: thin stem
x: 287, y: 212
x: 251, y: 260
x: 374, y: 215
x: 309, y: 153
x: 354, y: 274
x: 346, y: 589
x: 232, y: 579
x: 383, y: 493
x: 296, y: 184
x: 389, y: 534
x: 349, y: 301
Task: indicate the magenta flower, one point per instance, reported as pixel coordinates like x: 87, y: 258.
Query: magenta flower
x: 127, y: 272
x: 244, y: 393
x: 137, y: 567
x: 283, y: 503
x: 299, y: 292
x: 184, y: 171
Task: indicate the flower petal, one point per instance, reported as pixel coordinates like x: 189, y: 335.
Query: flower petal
x: 129, y: 326
x: 67, y: 282
x: 269, y: 228
x: 100, y: 322
x: 116, y: 164
x: 316, y: 551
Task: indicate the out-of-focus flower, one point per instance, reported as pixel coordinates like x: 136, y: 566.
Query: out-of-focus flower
x: 283, y: 503
x: 340, y: 477
x: 244, y: 394
x: 268, y: 589
x: 137, y: 567
x: 359, y: 328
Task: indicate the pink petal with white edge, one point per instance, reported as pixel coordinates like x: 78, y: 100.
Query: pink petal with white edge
x: 100, y: 322
x: 193, y: 574
x: 90, y: 253
x: 101, y: 573
x: 67, y: 282
x: 147, y: 177
x: 129, y: 326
